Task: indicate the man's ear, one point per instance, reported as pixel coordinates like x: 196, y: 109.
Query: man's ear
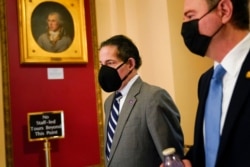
x: 225, y: 8
x: 131, y: 62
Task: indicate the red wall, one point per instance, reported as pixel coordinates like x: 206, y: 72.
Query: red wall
x: 31, y: 91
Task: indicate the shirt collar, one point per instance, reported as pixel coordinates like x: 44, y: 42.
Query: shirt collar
x: 234, y: 59
x: 125, y: 90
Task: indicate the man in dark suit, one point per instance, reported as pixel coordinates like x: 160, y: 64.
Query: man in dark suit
x: 219, y: 29
x: 148, y: 120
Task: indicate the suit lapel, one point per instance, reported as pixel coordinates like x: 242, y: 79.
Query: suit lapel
x: 202, y: 95
x: 107, y: 109
x: 241, y: 90
x: 125, y: 113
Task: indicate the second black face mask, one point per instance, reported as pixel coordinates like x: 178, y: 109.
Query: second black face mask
x: 194, y: 41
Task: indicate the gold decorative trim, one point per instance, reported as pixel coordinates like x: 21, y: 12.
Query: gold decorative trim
x: 37, y: 47
x: 5, y: 85
x: 98, y: 90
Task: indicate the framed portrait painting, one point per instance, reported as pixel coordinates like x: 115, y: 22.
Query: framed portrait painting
x: 52, y: 32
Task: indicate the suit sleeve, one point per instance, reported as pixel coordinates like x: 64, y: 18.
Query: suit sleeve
x: 163, y: 120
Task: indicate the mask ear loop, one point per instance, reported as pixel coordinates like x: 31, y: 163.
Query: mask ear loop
x: 120, y: 65
x: 128, y: 72
x: 218, y: 30
x: 215, y: 6
x: 127, y: 75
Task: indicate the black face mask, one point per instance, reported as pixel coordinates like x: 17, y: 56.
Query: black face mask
x: 109, y: 78
x: 195, y: 42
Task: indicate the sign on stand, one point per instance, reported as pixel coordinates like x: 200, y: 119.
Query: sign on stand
x: 45, y: 126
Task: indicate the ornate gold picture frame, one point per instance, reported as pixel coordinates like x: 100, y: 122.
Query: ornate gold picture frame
x: 52, y: 32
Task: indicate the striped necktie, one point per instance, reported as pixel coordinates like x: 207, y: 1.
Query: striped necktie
x: 213, y: 115
x: 113, y: 118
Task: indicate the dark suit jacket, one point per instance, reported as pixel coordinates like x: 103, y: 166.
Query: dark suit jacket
x: 148, y: 123
x: 234, y: 149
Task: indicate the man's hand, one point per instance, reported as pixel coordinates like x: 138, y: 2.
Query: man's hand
x: 186, y: 163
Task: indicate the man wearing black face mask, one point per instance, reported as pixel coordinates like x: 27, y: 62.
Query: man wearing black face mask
x: 219, y: 29
x: 144, y: 120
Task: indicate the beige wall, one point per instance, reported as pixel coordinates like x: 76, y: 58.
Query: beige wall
x: 155, y: 28
x: 187, y: 70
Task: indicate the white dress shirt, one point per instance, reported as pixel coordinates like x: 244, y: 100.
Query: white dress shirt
x: 125, y: 90
x: 232, y: 63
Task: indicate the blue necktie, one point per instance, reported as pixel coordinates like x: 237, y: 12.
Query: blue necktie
x: 113, y: 118
x: 213, y: 115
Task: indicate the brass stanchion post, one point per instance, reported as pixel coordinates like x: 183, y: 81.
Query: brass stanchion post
x: 47, y: 152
